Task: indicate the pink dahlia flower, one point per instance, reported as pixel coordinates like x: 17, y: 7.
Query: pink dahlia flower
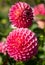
x: 3, y: 48
x: 20, y: 14
x: 39, y: 15
x: 39, y: 9
x: 21, y: 44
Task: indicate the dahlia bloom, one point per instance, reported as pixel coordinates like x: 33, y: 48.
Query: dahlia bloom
x: 20, y: 15
x: 39, y: 9
x: 3, y: 48
x: 39, y: 15
x: 21, y: 44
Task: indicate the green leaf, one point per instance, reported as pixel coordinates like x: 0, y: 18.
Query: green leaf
x: 34, y: 26
x: 19, y: 63
x: 41, y: 17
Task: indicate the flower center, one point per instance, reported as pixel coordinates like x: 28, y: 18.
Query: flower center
x: 17, y: 13
x: 26, y: 13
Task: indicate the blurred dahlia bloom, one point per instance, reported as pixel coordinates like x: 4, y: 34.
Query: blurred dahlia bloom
x: 3, y: 48
x: 22, y: 44
x: 39, y: 15
x: 21, y: 15
x: 39, y: 10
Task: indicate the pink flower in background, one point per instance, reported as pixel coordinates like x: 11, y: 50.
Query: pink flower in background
x: 3, y: 48
x: 39, y: 15
x: 39, y: 10
x: 22, y: 44
x: 20, y: 15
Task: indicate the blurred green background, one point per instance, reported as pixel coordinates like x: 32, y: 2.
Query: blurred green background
x: 5, y: 28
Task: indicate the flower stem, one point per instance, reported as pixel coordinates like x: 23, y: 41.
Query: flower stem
x: 7, y: 60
